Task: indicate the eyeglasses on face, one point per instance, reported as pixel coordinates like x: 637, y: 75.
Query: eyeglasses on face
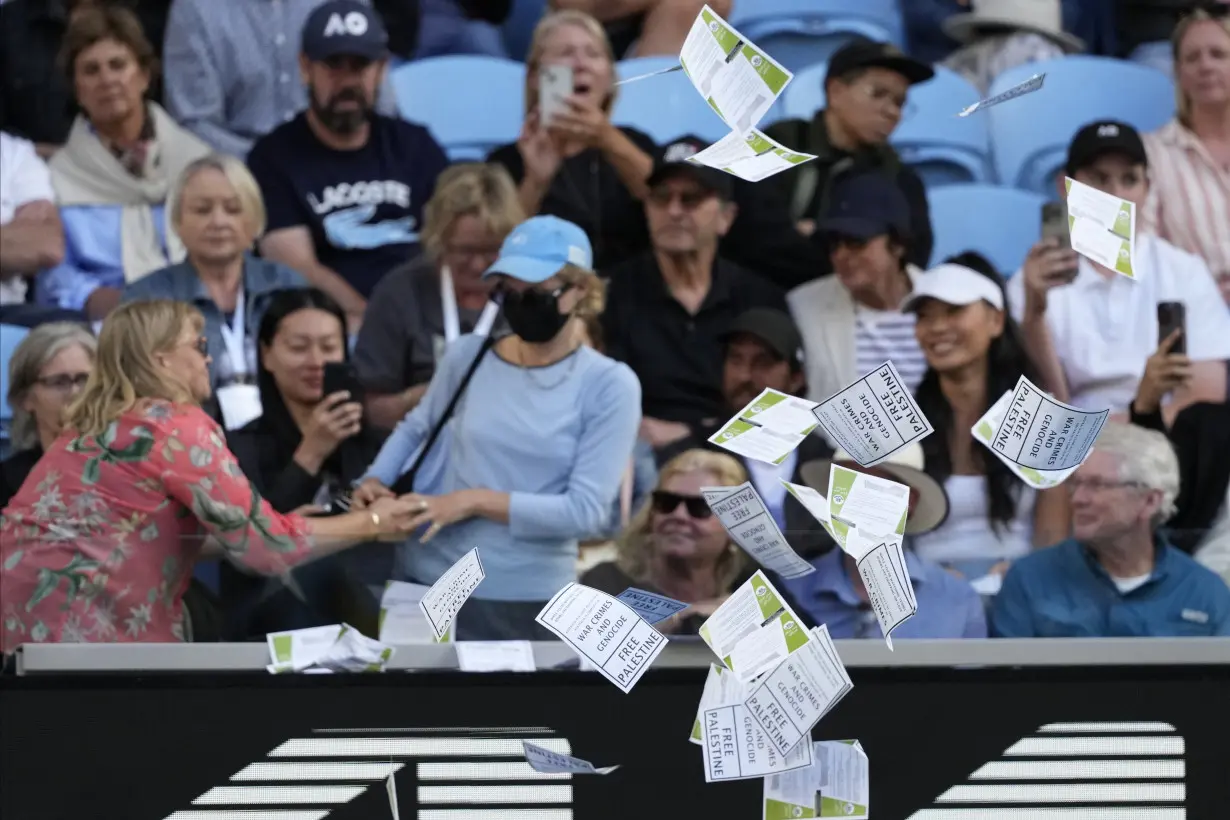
x: 1097, y: 485
x: 64, y: 382
x: 688, y: 199
x: 667, y: 502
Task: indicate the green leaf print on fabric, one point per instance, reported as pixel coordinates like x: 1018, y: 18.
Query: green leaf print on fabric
x: 13, y: 560
x: 75, y: 574
x: 230, y: 519
x: 104, y: 453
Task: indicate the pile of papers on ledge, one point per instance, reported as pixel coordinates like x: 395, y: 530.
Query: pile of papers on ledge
x: 326, y: 649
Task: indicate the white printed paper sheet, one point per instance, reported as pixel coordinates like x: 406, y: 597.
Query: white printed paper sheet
x: 710, y: 697
x: 1041, y: 433
x: 754, y: 608
x: 750, y: 525
x: 877, y: 507
x: 1102, y: 227
x: 985, y: 432
x: 495, y: 656
x: 736, y: 748
x: 889, y: 588
x: 652, y: 607
x: 769, y: 428
x: 546, y: 761
x: 818, y: 506
x: 874, y: 417
x: 1034, y: 83
x: 752, y: 156
x: 837, y: 784
x: 444, y: 599
x: 401, y: 618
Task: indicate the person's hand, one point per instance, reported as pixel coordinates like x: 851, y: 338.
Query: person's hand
x: 392, y: 517
x: 1048, y: 266
x: 1164, y: 372
x: 582, y: 121
x: 660, y: 433
x: 438, y: 511
x: 539, y: 153
x: 333, y: 420
x: 806, y: 227
x: 368, y: 493
x: 308, y: 509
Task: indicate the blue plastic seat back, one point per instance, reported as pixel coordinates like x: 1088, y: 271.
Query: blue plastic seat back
x: 471, y: 104
x: 1000, y: 223
x: 944, y: 148
x: 665, y: 107
x: 10, y: 337
x: 819, y: 17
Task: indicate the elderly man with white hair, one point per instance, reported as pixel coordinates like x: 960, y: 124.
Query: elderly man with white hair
x: 1117, y: 576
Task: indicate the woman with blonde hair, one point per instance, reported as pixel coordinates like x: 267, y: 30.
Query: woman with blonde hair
x: 420, y: 308
x: 99, y: 543
x: 570, y: 160
x: 1189, y: 157
x: 539, y: 431
x: 218, y: 213
x: 675, y: 545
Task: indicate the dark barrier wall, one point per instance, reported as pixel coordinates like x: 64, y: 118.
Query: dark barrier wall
x: 142, y: 748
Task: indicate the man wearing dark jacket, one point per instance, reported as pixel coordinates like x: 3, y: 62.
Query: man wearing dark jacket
x: 865, y: 91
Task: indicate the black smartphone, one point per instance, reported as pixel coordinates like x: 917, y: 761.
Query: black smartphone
x: 1055, y: 225
x: 1172, y: 316
x: 341, y: 376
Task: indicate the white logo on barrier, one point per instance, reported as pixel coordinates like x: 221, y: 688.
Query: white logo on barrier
x: 353, y: 24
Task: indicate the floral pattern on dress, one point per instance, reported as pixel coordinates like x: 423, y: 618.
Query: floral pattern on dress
x: 100, y: 542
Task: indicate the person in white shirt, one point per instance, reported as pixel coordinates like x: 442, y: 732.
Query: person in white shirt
x: 1093, y: 334
x: 31, y: 236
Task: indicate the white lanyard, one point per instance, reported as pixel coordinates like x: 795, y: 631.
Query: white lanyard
x: 448, y: 306
x: 233, y: 338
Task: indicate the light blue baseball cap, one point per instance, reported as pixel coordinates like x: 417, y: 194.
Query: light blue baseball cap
x: 540, y: 247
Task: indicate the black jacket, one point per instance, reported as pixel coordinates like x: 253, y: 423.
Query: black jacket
x: 13, y: 472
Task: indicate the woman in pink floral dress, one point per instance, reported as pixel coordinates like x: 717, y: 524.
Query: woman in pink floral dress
x: 99, y: 543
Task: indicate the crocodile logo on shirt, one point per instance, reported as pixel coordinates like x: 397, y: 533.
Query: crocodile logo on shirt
x: 351, y: 228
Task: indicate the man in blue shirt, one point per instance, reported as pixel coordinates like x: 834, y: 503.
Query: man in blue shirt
x: 344, y: 186
x: 1117, y: 577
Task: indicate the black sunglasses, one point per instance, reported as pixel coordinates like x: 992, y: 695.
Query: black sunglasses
x: 666, y: 502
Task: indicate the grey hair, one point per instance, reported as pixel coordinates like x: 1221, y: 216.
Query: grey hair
x: 43, y: 344
x: 1145, y: 458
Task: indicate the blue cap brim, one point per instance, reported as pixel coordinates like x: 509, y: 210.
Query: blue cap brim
x: 855, y: 227
x: 524, y: 268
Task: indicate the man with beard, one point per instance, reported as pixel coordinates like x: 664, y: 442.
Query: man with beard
x: 344, y: 186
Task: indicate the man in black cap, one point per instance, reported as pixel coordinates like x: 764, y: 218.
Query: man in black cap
x: 344, y: 186
x: 668, y: 309
x: 865, y: 89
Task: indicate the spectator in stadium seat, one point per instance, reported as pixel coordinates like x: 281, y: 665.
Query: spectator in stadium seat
x: 232, y: 67
x: 33, y: 236
x: 539, y: 439
x: 1001, y: 34
x: 1189, y: 202
x: 421, y: 307
x: 675, y: 546
x: 1091, y: 338
x: 835, y: 595
x: 344, y: 185
x: 304, y: 451
x: 580, y: 166
x: 1143, y: 29
x: 218, y: 213
x: 865, y: 89
x: 114, y: 174
x: 48, y: 368
x: 138, y: 458
x: 852, y: 322
x: 975, y: 355
x: 762, y: 349
x: 643, y: 28
x: 668, y: 309
x: 449, y: 27
x: 1118, y: 577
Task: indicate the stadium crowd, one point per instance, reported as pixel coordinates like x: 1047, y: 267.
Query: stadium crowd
x: 270, y: 343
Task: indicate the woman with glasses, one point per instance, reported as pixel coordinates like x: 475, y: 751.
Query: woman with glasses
x: 675, y: 545
x: 100, y: 542
x: 539, y: 437
x: 47, y: 369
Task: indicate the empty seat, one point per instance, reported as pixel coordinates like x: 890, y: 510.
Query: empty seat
x: 471, y: 104
x: 1031, y: 133
x: 1000, y: 223
x: 801, y: 33
x: 664, y: 107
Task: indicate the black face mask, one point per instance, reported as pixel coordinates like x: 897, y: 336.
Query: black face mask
x: 534, y: 315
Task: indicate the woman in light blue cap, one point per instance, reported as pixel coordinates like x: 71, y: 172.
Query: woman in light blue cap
x: 537, y: 442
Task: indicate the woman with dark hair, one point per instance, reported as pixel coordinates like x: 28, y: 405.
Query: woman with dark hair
x: 301, y: 454
x: 975, y: 355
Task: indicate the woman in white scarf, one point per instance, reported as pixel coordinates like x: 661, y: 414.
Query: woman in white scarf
x: 113, y: 175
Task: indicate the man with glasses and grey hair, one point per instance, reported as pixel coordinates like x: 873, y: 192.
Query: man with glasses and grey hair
x: 1117, y: 577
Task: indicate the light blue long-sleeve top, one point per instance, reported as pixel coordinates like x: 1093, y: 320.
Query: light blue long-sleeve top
x: 556, y: 438
x: 93, y: 255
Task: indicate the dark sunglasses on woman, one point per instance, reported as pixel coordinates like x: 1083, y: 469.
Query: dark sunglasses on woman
x: 664, y: 502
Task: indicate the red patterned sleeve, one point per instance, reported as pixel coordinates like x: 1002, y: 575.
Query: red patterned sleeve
x: 197, y: 469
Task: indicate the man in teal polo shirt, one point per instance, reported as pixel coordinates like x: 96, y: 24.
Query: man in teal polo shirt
x: 1117, y: 577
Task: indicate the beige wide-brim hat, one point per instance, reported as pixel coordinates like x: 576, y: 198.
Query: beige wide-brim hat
x: 1042, y: 17
x: 906, y: 466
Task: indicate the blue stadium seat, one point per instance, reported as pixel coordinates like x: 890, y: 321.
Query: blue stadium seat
x: 1000, y: 223
x: 945, y: 149
x: 664, y: 107
x: 1031, y: 133
x: 518, y: 29
x: 471, y: 104
x: 10, y: 337
x: 801, y: 33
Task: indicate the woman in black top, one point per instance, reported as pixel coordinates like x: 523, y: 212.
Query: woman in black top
x: 304, y: 451
x: 578, y: 165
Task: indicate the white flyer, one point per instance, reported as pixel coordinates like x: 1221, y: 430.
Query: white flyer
x: 355, y: 652
x: 1032, y: 84
x: 984, y: 431
x: 442, y: 602
x: 740, y: 81
x: 769, y: 428
x: 792, y: 698
x: 874, y: 417
x: 752, y: 156
x: 874, y: 506
x: 837, y: 784
x: 818, y: 506
x: 736, y: 748
x: 549, y: 762
x: 1102, y: 227
x: 710, y: 697
x: 765, y: 648
x: 495, y: 656
x: 298, y: 649
x: 605, y: 631
x: 754, y: 606
x: 1043, y: 434
x: 401, y: 618
x: 390, y: 786
x: 888, y: 585
x: 752, y: 527
x: 652, y: 607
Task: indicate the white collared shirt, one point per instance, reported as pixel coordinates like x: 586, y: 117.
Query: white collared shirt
x: 24, y: 178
